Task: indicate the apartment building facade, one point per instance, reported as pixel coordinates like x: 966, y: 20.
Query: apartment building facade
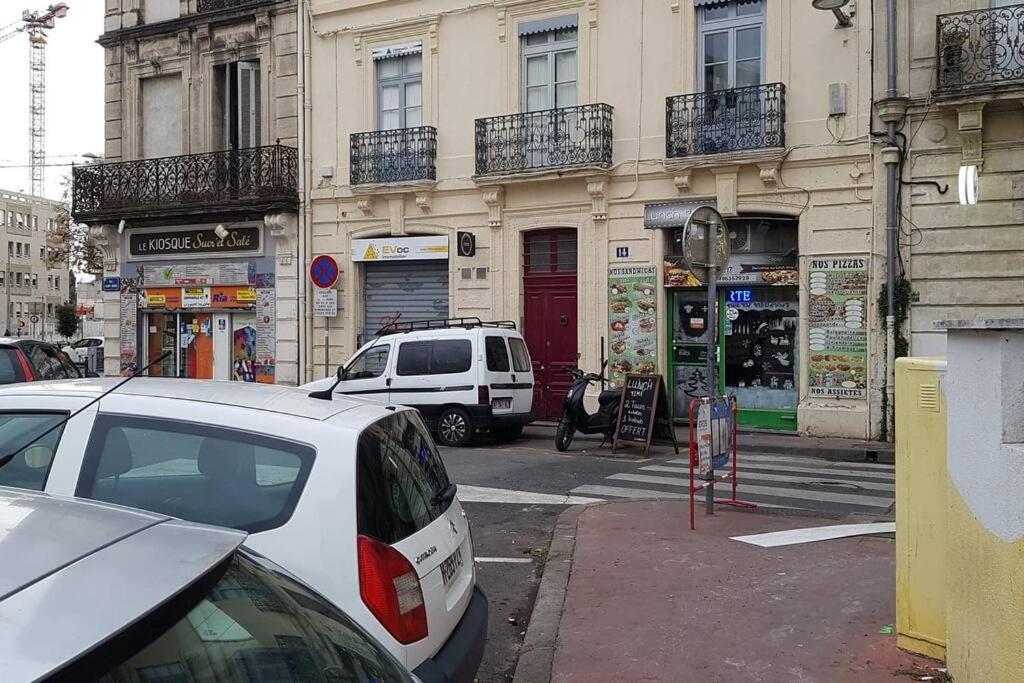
x: 32, y: 285
x: 961, y: 74
x: 534, y: 161
x: 196, y: 200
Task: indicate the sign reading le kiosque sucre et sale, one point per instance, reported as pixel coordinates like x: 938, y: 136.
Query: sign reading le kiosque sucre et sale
x: 194, y: 242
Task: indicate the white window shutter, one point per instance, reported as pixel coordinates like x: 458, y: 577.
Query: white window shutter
x: 248, y: 104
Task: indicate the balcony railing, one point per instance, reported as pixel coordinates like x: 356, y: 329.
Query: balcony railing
x: 393, y: 156
x: 213, y: 180
x: 214, y: 5
x: 543, y: 140
x: 979, y: 48
x: 726, y: 120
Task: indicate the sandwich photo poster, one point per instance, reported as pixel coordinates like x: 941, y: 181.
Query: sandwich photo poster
x: 632, y: 321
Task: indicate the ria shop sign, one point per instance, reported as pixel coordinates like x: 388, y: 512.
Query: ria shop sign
x: 193, y: 242
x: 400, y: 248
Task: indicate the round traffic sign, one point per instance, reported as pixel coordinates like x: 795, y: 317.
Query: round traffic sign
x: 324, y: 271
x: 34, y: 319
x: 21, y: 323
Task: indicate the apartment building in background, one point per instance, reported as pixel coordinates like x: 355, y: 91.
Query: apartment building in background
x: 195, y: 202
x: 35, y: 288
x: 535, y: 160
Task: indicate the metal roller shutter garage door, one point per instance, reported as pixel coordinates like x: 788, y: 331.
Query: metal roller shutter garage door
x: 413, y: 290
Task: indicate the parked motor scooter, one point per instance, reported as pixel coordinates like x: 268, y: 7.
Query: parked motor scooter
x: 575, y: 416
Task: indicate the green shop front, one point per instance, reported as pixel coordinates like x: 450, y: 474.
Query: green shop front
x: 758, y: 319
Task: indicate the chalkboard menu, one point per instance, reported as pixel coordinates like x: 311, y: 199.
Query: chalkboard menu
x: 643, y: 410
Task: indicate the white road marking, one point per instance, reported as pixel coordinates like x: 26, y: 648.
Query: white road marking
x: 483, y: 494
x: 505, y: 560
x: 618, y: 492
x: 796, y: 459
x: 770, y: 491
x: 807, y: 479
x: 821, y: 533
x: 825, y: 469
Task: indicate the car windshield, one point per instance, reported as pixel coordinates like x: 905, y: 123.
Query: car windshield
x: 254, y: 624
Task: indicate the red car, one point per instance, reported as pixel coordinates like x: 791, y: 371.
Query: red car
x: 30, y: 360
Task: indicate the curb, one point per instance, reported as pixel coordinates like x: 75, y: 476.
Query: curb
x: 538, y: 652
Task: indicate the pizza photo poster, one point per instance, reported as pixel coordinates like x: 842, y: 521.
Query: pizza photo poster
x: 837, y: 327
x: 632, y: 321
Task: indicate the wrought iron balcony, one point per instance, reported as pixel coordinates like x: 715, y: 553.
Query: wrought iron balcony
x: 393, y: 156
x: 980, y: 48
x: 544, y: 140
x: 214, y: 5
x: 231, y: 180
x: 726, y: 120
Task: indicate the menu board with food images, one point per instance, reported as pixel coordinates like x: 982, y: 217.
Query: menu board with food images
x: 632, y: 321
x: 753, y: 269
x: 837, y: 324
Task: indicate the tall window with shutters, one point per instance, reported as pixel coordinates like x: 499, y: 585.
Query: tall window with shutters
x: 400, y: 89
x: 549, y: 71
x: 731, y: 47
x: 237, y: 105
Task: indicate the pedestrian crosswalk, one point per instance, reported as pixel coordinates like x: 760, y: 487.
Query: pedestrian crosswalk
x: 775, y: 481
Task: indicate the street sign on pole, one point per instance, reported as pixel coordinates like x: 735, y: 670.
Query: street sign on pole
x: 325, y: 303
x: 324, y: 271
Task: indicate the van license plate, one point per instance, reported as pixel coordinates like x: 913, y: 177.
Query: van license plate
x: 502, y: 404
x: 450, y: 568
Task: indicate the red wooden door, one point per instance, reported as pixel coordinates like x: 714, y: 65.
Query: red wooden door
x: 550, y: 316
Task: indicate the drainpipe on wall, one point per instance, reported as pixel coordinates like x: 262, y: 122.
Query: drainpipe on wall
x: 303, y: 310
x: 891, y: 159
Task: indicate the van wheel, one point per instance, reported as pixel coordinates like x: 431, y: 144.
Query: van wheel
x: 508, y: 433
x: 454, y: 427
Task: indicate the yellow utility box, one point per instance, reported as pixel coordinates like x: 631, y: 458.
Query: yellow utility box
x: 922, y: 479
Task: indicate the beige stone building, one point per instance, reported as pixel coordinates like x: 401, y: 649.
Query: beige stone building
x: 554, y: 145
x: 195, y: 204
x: 33, y: 286
x: 962, y: 73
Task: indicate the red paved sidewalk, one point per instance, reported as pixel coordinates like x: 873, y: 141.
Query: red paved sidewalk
x: 649, y: 600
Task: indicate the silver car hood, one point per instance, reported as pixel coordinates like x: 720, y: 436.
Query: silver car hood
x: 75, y: 573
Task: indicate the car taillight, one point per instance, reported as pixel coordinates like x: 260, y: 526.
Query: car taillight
x: 391, y: 590
x: 483, y: 395
x: 26, y: 367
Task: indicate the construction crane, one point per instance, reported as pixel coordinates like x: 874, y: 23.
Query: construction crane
x: 35, y: 25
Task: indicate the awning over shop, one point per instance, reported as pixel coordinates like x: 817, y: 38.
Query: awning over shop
x: 709, y: 3
x: 672, y: 214
x: 551, y: 24
x: 397, y: 50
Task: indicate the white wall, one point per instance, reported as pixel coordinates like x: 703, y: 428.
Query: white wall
x: 160, y: 10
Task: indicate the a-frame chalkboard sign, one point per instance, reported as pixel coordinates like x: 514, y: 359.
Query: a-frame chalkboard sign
x: 643, y: 414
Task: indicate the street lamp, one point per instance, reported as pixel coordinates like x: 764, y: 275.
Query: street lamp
x: 836, y: 7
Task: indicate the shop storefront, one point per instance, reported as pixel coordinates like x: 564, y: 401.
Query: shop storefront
x: 758, y: 317
x: 207, y: 300
x: 404, y: 278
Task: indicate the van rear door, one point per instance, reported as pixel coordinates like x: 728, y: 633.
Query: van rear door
x: 522, y: 375
x: 497, y: 374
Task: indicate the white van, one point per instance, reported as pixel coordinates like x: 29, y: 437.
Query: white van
x: 462, y: 374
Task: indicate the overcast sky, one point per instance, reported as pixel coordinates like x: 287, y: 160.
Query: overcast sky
x: 74, y: 93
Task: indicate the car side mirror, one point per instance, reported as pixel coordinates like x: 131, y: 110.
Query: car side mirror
x: 342, y: 373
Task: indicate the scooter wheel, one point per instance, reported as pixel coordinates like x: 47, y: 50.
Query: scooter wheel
x: 563, y: 436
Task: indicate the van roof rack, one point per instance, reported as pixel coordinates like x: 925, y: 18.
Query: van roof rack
x: 401, y: 327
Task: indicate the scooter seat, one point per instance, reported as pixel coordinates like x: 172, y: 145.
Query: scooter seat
x: 609, y: 396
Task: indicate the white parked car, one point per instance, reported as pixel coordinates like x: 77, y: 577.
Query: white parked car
x: 463, y: 375
x: 79, y: 351
x: 349, y: 496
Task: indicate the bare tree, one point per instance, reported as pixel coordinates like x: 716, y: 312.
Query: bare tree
x: 70, y: 243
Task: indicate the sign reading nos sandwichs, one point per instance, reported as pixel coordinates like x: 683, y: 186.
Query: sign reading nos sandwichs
x: 197, y: 242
